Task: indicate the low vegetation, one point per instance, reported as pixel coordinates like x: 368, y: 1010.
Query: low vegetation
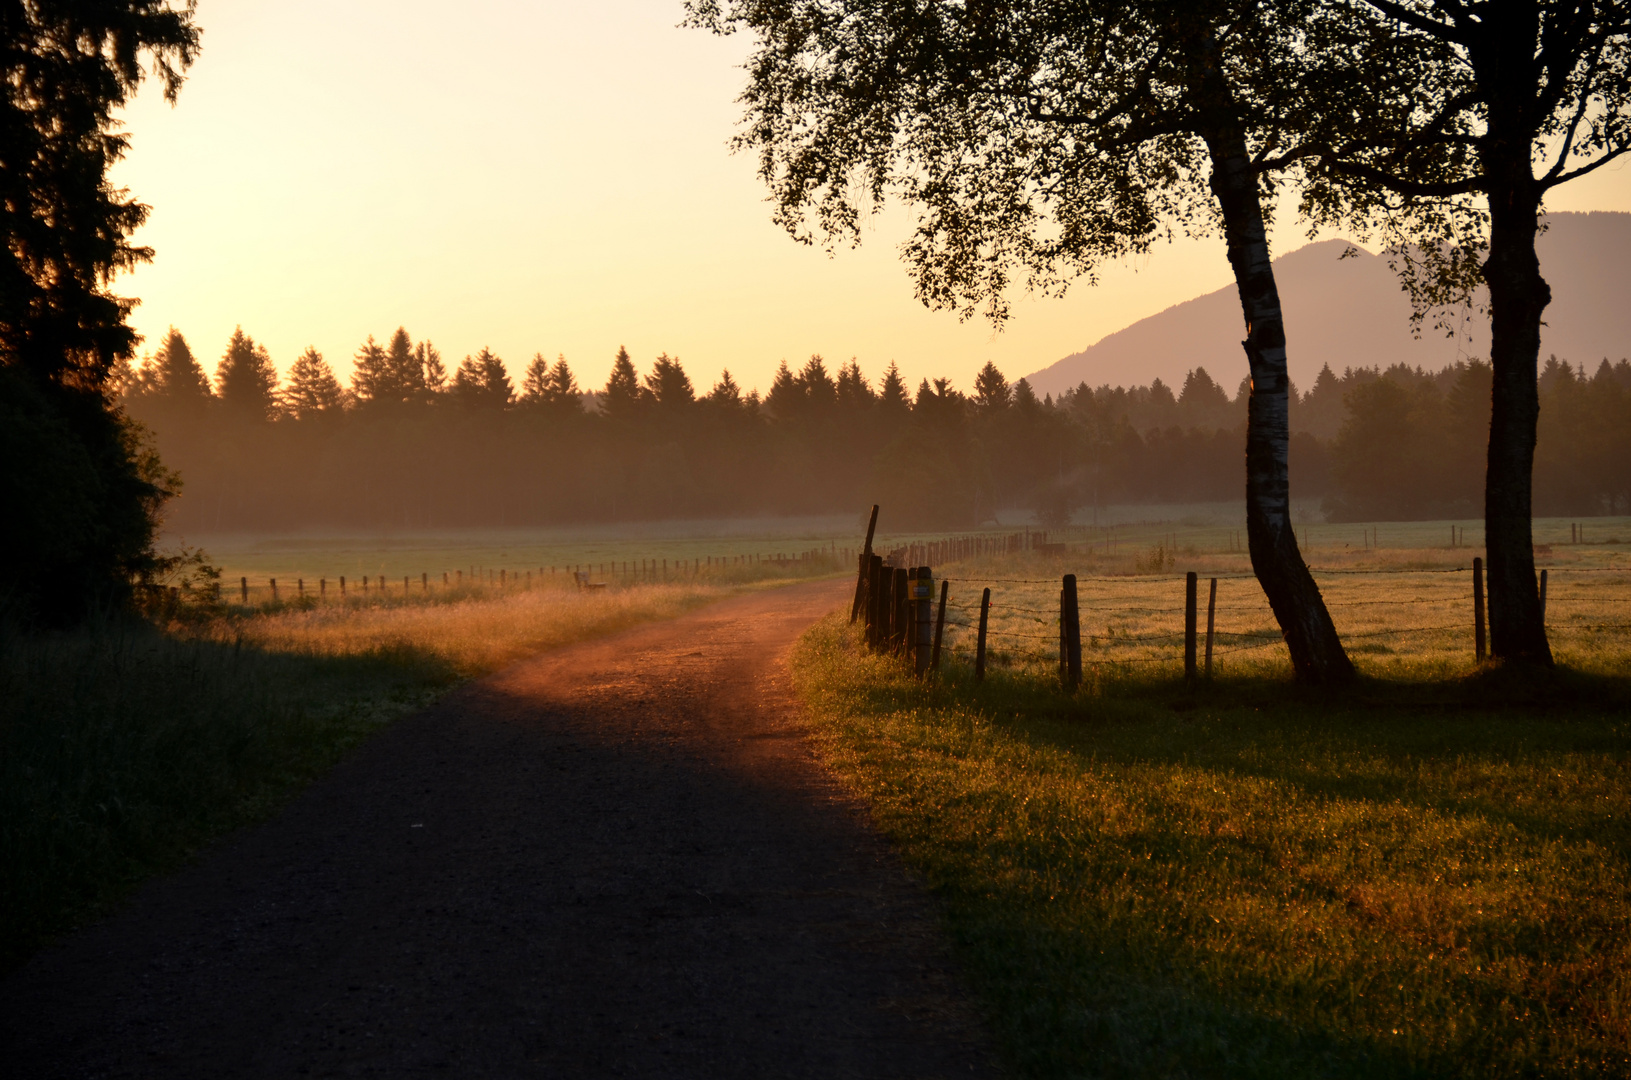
x: 1426, y: 877
x: 127, y: 744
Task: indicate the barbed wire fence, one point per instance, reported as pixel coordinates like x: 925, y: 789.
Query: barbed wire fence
x: 1018, y: 627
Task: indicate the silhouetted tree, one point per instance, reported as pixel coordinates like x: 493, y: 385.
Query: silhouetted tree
x: 991, y: 389
x: 430, y: 362
x: 173, y: 379
x: 1503, y: 102
x: 1043, y: 136
x: 624, y: 397
x: 853, y: 392
x: 311, y: 389
x: 246, y: 379
x: 406, y: 366
x: 80, y: 491
x: 668, y: 384
x: 372, y: 380
x: 482, y: 382
x: 892, y: 401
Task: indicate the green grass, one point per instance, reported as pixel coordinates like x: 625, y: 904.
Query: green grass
x: 1420, y: 878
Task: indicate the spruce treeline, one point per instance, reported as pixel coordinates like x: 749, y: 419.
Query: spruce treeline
x: 410, y: 444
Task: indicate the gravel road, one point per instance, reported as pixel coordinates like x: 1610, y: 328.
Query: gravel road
x: 616, y: 859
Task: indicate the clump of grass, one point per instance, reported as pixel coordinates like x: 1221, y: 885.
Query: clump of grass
x: 124, y: 746
x: 1255, y: 880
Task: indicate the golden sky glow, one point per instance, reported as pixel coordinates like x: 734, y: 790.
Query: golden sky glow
x: 541, y: 177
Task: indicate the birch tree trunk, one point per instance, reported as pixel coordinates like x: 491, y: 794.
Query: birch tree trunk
x: 1517, y: 297
x: 1316, y: 651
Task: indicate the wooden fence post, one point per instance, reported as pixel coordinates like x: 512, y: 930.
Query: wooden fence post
x: 1189, y: 625
x: 342, y: 586
x: 1211, y: 610
x: 979, y: 642
x: 300, y: 587
x: 322, y: 588
x: 243, y: 589
x: 1478, y: 609
x: 424, y: 583
x: 872, y: 602
x: 404, y: 586
x: 1063, y: 634
x: 902, y: 598
x: 939, y: 625
x: 926, y: 637
x: 1073, y: 635
x: 274, y: 590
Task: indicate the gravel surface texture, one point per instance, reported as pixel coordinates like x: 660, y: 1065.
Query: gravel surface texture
x: 617, y: 859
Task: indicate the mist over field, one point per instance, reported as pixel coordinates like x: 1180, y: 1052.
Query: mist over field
x: 410, y: 445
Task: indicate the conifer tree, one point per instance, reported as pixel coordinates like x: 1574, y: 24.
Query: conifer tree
x: 535, y: 383
x: 407, y: 367
x: 784, y: 400
x: 853, y: 391
x: 892, y: 398
x: 81, y: 490
x: 435, y: 374
x: 991, y: 390
x: 372, y: 380
x: 669, y: 386
x: 482, y: 382
x: 246, y: 380
x: 624, y: 397
x: 312, y: 390
x: 725, y: 394
x: 174, y: 375
x: 563, y: 394
x: 820, y: 394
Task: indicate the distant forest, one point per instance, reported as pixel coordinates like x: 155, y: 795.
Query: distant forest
x: 411, y: 445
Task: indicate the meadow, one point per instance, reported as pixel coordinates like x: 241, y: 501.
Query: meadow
x: 1425, y: 874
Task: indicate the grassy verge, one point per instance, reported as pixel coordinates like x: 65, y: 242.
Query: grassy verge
x: 1411, y: 880
x: 126, y: 745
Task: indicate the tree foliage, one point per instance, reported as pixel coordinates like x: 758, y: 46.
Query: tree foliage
x: 81, y: 491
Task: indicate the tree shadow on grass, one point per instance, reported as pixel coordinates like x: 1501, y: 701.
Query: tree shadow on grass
x: 123, y: 749
x: 1103, y: 948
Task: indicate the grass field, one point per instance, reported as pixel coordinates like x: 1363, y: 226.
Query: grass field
x: 1401, y: 594
x: 476, y: 554
x: 1428, y: 874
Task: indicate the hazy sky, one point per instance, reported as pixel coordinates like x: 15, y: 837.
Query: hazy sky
x: 540, y: 177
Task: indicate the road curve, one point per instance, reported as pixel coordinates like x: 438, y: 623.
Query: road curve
x: 616, y: 859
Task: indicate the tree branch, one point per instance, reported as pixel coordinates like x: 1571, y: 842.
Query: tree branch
x: 1431, y: 27
x: 1564, y: 178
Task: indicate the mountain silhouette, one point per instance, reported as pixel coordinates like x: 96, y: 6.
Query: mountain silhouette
x: 1353, y: 313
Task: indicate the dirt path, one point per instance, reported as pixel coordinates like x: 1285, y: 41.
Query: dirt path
x: 619, y: 859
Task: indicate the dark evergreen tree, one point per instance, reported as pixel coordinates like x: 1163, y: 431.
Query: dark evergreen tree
x: 892, y: 401
x: 854, y: 394
x: 435, y: 374
x: 624, y: 398
x: 312, y: 390
x: 483, y: 383
x: 670, y: 388
x: 81, y: 492
x: 406, y: 366
x: 246, y: 380
x: 373, y: 383
x: 991, y: 390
